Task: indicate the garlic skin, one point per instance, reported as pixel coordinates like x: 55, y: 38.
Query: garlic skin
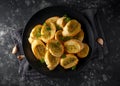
x: 20, y: 57
x: 15, y: 49
x: 100, y: 41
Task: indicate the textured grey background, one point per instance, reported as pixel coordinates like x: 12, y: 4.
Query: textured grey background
x: 14, y: 14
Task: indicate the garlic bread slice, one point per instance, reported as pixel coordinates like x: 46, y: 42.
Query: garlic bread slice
x: 48, y: 31
x: 69, y: 61
x: 84, y: 52
x: 79, y: 36
x: 38, y: 49
x: 73, y: 46
x: 31, y: 39
x: 51, y: 61
x: 52, y: 19
x: 59, y: 36
x: 36, y: 32
x: 55, y: 48
x: 72, y: 28
x: 61, y: 22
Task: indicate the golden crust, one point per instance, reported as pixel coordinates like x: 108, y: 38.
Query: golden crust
x: 38, y: 49
x: 58, y: 36
x: 51, y: 61
x: 30, y: 39
x: 79, y: 36
x: 84, y: 52
x: 48, y: 32
x: 72, y: 28
x: 69, y: 61
x: 35, y: 34
x: 35, y: 31
x: 61, y: 22
x: 73, y: 46
x: 55, y: 48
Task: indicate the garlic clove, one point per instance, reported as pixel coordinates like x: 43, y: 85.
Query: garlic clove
x: 100, y: 41
x: 15, y: 49
x: 20, y: 57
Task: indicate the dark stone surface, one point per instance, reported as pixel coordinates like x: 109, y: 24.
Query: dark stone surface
x: 14, y: 14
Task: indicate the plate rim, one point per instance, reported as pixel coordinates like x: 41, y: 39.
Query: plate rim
x: 25, y: 29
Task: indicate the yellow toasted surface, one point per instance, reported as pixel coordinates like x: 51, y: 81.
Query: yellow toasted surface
x: 69, y: 61
x: 58, y: 36
x: 48, y: 32
x: 51, y: 61
x: 30, y: 39
x: 38, y: 49
x: 84, y: 52
x: 36, y: 31
x: 72, y: 28
x: 79, y: 36
x: 55, y: 48
x: 61, y: 22
x: 73, y: 46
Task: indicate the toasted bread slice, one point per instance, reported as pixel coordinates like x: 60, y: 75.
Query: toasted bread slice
x: 52, y: 19
x: 59, y: 36
x: 72, y: 28
x: 69, y: 61
x: 36, y: 31
x: 79, y: 36
x: 61, y: 22
x: 84, y: 52
x: 48, y: 32
x: 30, y: 39
x: 55, y: 48
x: 38, y: 49
x: 51, y: 61
x: 73, y: 46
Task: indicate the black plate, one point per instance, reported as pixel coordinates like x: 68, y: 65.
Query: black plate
x: 39, y: 18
